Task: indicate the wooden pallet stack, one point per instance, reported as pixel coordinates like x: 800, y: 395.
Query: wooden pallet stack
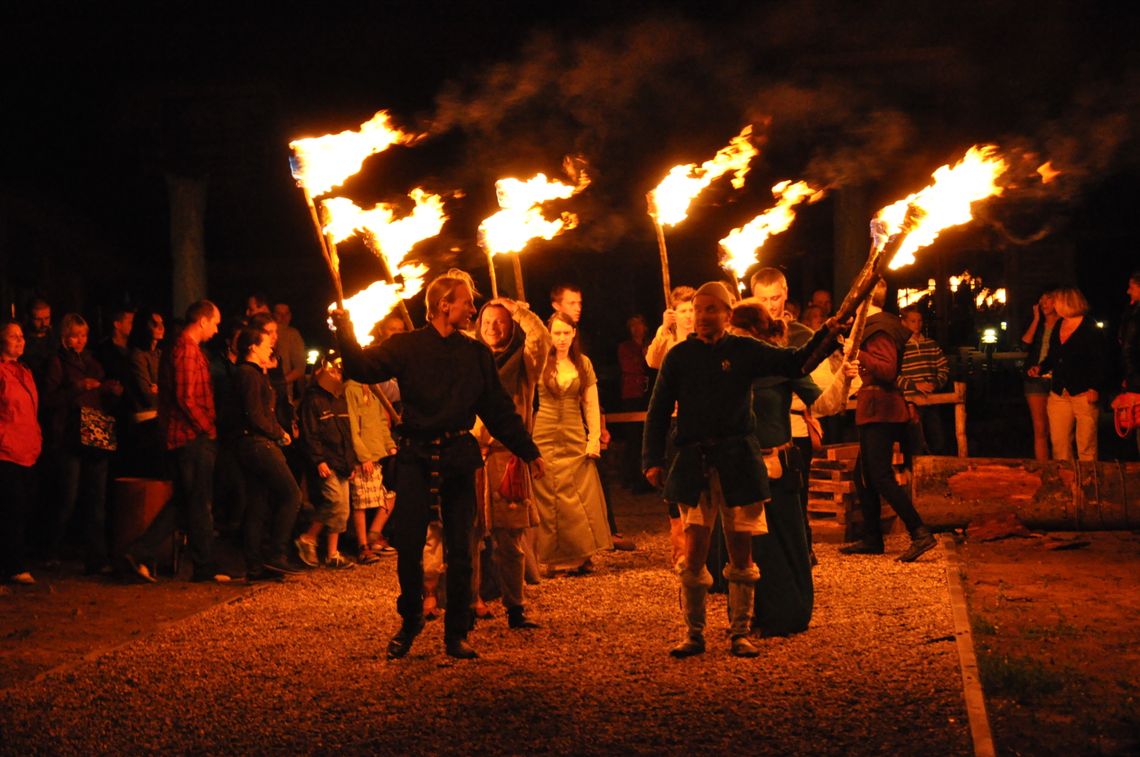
x: 833, y: 508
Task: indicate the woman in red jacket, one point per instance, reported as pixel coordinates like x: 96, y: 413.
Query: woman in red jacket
x: 20, y: 443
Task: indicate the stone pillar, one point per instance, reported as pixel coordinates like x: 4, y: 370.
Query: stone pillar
x: 187, y: 197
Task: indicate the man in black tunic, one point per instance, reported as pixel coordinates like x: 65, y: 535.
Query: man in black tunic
x: 718, y: 467
x: 446, y: 379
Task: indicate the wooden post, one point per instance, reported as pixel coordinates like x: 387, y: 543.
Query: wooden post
x: 328, y: 249
x: 960, y: 418
x: 494, y: 279
x: 661, y: 250
x: 520, y: 290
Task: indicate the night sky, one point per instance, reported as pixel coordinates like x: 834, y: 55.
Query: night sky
x: 103, y: 103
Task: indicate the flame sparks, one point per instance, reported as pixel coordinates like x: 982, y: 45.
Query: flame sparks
x: 1047, y: 172
x: 321, y: 163
x: 521, y: 220
x: 671, y: 199
x: 372, y: 305
x: 947, y: 202
x: 742, y: 244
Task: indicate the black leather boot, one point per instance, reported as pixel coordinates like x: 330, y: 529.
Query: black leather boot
x: 921, y: 542
x: 457, y: 647
x: 516, y: 618
x: 401, y: 643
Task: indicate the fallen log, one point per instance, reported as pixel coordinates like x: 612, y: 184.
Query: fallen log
x: 1055, y: 495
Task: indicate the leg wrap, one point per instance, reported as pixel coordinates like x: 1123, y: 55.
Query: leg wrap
x: 741, y: 592
x: 694, y: 591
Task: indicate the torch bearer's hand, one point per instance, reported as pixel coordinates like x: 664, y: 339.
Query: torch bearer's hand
x: 669, y: 318
x: 656, y: 476
x: 537, y: 468
x: 879, y: 233
x: 339, y: 320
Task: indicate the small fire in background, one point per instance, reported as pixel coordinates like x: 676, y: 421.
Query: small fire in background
x: 742, y: 245
x: 671, y: 199
x: 987, y: 299
x: 521, y: 219
x: 1047, y: 172
x: 908, y: 297
x: 947, y: 202
x: 322, y: 163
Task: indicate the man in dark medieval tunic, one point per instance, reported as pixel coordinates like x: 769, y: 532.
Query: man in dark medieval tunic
x: 446, y: 379
x: 718, y: 468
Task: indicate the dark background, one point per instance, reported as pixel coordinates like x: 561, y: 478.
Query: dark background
x: 103, y: 102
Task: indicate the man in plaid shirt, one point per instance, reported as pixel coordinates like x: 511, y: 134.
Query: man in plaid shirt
x: 924, y: 370
x: 187, y: 420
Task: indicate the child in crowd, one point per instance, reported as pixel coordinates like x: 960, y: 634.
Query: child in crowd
x: 327, y: 436
x: 372, y: 441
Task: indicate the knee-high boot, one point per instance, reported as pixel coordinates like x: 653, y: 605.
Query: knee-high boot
x: 741, y: 591
x: 694, y: 591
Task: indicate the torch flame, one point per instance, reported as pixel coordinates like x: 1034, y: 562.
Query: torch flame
x: 521, y: 220
x: 742, y: 244
x: 394, y: 238
x: 372, y: 305
x: 947, y: 202
x: 321, y: 163
x: 671, y: 199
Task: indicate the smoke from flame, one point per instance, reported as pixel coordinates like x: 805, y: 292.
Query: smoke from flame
x: 673, y: 196
x: 742, y: 244
x: 947, y: 202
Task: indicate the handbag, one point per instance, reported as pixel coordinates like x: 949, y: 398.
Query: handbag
x: 97, y: 429
x: 513, y: 486
x: 1126, y: 413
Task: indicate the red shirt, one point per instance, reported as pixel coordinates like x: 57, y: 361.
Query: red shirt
x: 20, y: 438
x: 185, y: 395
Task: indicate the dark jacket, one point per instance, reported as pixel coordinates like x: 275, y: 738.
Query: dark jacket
x: 258, y: 401
x: 711, y: 385
x: 63, y: 395
x: 326, y: 430
x: 444, y: 383
x: 1130, y: 348
x: 1079, y: 363
x: 880, y: 400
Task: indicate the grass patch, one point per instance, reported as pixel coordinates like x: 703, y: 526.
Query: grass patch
x: 1060, y: 630
x: 982, y: 626
x: 1020, y: 678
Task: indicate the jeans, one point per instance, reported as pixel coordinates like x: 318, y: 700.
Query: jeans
x: 272, y: 495
x: 875, y: 478
x: 83, y: 479
x: 193, y: 470
x: 1072, y: 416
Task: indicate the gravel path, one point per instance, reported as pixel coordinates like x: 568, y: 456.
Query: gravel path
x: 299, y: 667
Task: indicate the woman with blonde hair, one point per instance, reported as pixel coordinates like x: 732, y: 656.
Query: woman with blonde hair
x: 570, y: 501
x: 1076, y: 354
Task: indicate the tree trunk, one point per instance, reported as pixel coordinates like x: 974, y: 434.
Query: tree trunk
x: 1054, y: 495
x: 187, y: 198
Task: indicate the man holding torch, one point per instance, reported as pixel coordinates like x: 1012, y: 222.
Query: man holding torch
x: 446, y: 379
x: 718, y: 466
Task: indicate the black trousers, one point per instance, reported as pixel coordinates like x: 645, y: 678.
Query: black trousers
x: 17, y: 491
x: 415, y: 510
x: 272, y: 496
x: 875, y: 477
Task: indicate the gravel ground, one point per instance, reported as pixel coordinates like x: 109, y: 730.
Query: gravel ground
x: 299, y: 667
